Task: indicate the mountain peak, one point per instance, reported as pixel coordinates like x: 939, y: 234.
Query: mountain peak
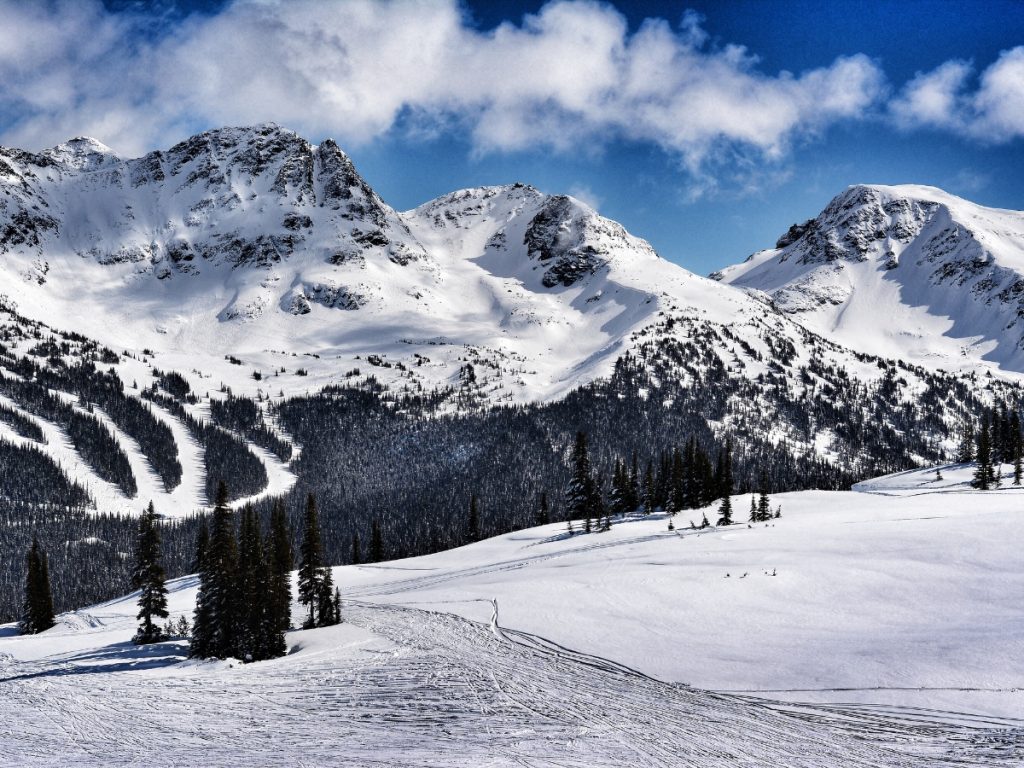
x: 902, y: 270
x: 81, y: 153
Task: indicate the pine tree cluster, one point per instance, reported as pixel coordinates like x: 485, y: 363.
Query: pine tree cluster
x: 998, y: 440
x: 243, y: 607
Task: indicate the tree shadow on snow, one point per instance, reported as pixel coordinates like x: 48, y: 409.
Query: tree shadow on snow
x: 116, y: 657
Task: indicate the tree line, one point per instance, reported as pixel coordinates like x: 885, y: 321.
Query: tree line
x: 243, y: 605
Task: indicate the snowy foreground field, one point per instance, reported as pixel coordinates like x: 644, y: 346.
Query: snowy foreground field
x: 883, y: 627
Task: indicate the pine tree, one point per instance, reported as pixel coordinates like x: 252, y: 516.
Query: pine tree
x: 602, y: 515
x: 764, y: 509
x: 753, y: 511
x: 356, y: 554
x: 619, y: 497
x: 202, y: 544
x: 148, y: 577
x: 261, y: 626
x: 648, y: 490
x: 325, y: 599
x: 725, y: 511
x: 580, y: 493
x: 473, y: 524
x: 725, y: 483
x: 311, y: 564
x: 543, y: 515
x: 376, y: 543
x: 282, y: 561
x: 984, y: 475
x: 337, y: 606
x: 37, y: 613
x: 634, y: 486
x: 677, y: 490
x: 1016, y: 448
x: 215, y: 626
x: 966, y: 453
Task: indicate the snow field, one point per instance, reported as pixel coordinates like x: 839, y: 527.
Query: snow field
x: 890, y: 635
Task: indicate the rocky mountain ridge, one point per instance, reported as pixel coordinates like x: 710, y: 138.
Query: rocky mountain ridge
x: 902, y: 271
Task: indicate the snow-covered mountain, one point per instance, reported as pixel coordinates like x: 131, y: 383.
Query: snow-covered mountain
x: 249, y: 261
x: 907, y: 272
x: 254, y: 243
x: 251, y: 244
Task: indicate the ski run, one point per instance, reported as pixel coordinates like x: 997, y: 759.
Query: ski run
x: 878, y: 627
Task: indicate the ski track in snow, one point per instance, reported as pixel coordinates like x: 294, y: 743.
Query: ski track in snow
x: 413, y: 679
x: 436, y: 689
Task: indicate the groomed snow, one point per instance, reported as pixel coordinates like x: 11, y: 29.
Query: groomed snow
x: 892, y: 614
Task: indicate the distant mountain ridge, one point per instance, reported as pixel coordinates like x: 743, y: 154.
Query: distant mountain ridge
x: 902, y: 271
x: 254, y: 243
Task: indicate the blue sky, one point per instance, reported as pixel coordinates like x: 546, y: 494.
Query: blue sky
x: 705, y: 127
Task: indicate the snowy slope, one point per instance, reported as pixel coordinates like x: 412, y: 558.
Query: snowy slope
x: 907, y: 272
x: 249, y: 260
x: 253, y: 243
x: 887, y: 636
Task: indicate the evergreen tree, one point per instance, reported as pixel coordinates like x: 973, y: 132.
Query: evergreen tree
x: 725, y: 511
x: 1016, y: 447
x: 337, y: 606
x: 677, y: 490
x: 648, y: 489
x: 259, y: 622
x: 753, y: 511
x: 282, y: 561
x: 602, y: 515
x: 473, y: 525
x: 634, y: 486
x: 325, y: 601
x: 148, y: 577
x: 725, y: 484
x: 202, y: 544
x: 311, y: 563
x: 966, y: 453
x: 984, y: 475
x: 37, y: 614
x: 580, y: 493
x: 376, y: 543
x: 764, y: 510
x: 356, y: 554
x: 542, y: 516
x: 723, y: 474
x: 215, y: 626
x: 618, y: 501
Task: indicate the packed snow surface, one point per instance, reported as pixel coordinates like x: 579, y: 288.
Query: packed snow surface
x: 872, y: 628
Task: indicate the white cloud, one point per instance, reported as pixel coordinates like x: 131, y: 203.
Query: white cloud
x: 568, y: 77
x: 994, y: 112
x: 585, y: 194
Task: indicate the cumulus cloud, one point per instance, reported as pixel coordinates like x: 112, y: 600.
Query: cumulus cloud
x: 993, y: 112
x: 571, y: 76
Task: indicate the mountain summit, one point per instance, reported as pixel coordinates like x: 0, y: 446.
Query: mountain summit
x: 254, y: 240
x: 907, y: 272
